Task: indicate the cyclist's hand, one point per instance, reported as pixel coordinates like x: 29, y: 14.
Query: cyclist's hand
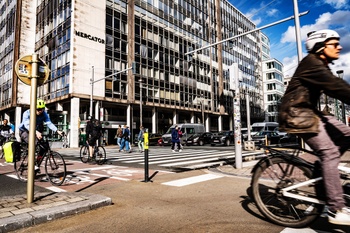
x: 38, y: 135
x: 59, y: 132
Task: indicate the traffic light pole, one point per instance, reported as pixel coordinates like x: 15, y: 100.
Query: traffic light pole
x: 237, y: 114
x: 246, y: 33
x: 92, y: 81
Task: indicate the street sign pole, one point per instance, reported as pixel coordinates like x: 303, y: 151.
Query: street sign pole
x: 32, y: 71
x: 32, y: 127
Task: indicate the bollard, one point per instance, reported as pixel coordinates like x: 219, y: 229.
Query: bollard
x: 145, y: 141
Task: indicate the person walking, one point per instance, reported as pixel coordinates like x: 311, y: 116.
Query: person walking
x: 125, y: 140
x: 119, y: 135
x: 140, y: 139
x: 175, y: 139
x: 299, y: 114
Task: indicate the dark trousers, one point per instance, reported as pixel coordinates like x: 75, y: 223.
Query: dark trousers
x: 173, y: 145
x: 330, y: 143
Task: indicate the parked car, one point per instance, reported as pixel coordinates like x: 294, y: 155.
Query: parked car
x: 187, y: 130
x: 199, y: 139
x: 244, y: 132
x: 225, y: 138
x: 289, y: 139
x: 263, y: 126
x: 153, y: 139
x: 281, y: 133
x: 260, y: 138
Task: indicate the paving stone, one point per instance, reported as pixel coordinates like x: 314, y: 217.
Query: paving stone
x: 22, y: 211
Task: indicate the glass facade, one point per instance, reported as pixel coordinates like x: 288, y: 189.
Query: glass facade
x: 171, y: 87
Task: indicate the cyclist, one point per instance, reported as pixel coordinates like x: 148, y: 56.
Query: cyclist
x: 5, y: 132
x: 93, y: 132
x: 299, y: 114
x: 41, y: 118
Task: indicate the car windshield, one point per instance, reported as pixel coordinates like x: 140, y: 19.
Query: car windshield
x: 262, y: 133
x: 257, y: 128
x: 169, y: 130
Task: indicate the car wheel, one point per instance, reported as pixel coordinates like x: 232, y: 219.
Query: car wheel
x: 201, y: 143
x: 227, y: 143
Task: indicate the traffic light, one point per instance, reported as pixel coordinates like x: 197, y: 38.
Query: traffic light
x: 133, y: 67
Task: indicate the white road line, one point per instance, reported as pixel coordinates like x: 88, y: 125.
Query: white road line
x: 192, y: 180
x: 301, y: 230
x: 56, y: 189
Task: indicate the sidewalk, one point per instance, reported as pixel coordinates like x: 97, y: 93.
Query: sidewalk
x: 16, y: 213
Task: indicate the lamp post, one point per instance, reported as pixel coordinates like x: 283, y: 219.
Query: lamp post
x: 341, y: 75
x: 92, y: 90
x: 140, y: 80
x: 202, y: 105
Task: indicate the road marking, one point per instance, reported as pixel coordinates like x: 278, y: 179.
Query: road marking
x: 302, y: 230
x: 192, y: 180
x: 56, y: 189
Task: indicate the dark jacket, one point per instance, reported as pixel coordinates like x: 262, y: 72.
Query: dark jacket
x: 298, y: 111
x: 175, y: 136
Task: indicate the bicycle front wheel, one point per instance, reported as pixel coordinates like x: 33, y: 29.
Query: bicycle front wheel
x: 84, y: 154
x: 100, y: 155
x: 21, y: 167
x: 55, y: 168
x: 267, y: 183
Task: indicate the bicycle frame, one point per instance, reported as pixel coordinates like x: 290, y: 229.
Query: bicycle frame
x: 286, y: 193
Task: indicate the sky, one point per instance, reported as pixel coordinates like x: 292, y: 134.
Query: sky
x: 323, y: 14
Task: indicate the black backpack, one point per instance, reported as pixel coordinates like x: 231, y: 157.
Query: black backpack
x: 96, y: 127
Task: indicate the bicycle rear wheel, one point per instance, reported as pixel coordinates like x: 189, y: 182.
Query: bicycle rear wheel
x: 55, y: 168
x: 21, y: 167
x: 268, y: 180
x: 84, y: 154
x: 100, y: 155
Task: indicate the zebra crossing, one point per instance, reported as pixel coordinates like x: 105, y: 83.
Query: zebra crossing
x: 164, y: 157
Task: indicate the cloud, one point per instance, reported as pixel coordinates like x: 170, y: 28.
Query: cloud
x: 337, y: 4
x: 339, y: 20
x: 272, y: 12
x: 343, y: 63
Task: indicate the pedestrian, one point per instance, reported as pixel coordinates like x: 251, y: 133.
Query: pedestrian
x: 125, y: 140
x: 180, y: 136
x: 140, y: 139
x: 119, y: 135
x: 129, y: 141
x: 175, y: 139
x: 299, y: 114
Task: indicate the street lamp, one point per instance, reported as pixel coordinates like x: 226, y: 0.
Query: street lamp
x: 341, y: 75
x: 92, y: 90
x: 202, y: 105
x: 140, y: 80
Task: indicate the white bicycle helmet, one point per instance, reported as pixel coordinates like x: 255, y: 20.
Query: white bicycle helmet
x: 316, y: 40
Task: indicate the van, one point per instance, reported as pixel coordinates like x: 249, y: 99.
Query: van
x: 187, y: 129
x: 263, y: 126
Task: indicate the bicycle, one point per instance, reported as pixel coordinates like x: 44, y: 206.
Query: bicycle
x: 287, y: 186
x: 55, y: 166
x: 99, y: 154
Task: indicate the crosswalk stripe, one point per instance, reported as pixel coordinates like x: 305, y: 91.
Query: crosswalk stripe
x: 192, y: 180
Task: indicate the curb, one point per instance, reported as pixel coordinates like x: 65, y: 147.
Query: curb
x: 24, y: 220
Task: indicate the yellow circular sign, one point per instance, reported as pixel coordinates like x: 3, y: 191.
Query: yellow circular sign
x: 23, y: 70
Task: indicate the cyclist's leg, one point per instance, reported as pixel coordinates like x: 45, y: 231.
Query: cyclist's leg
x: 323, y: 144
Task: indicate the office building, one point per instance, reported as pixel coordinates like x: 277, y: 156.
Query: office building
x: 90, y: 47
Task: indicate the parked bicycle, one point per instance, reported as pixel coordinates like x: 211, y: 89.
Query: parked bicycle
x: 287, y: 186
x: 55, y: 166
x: 99, y: 154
